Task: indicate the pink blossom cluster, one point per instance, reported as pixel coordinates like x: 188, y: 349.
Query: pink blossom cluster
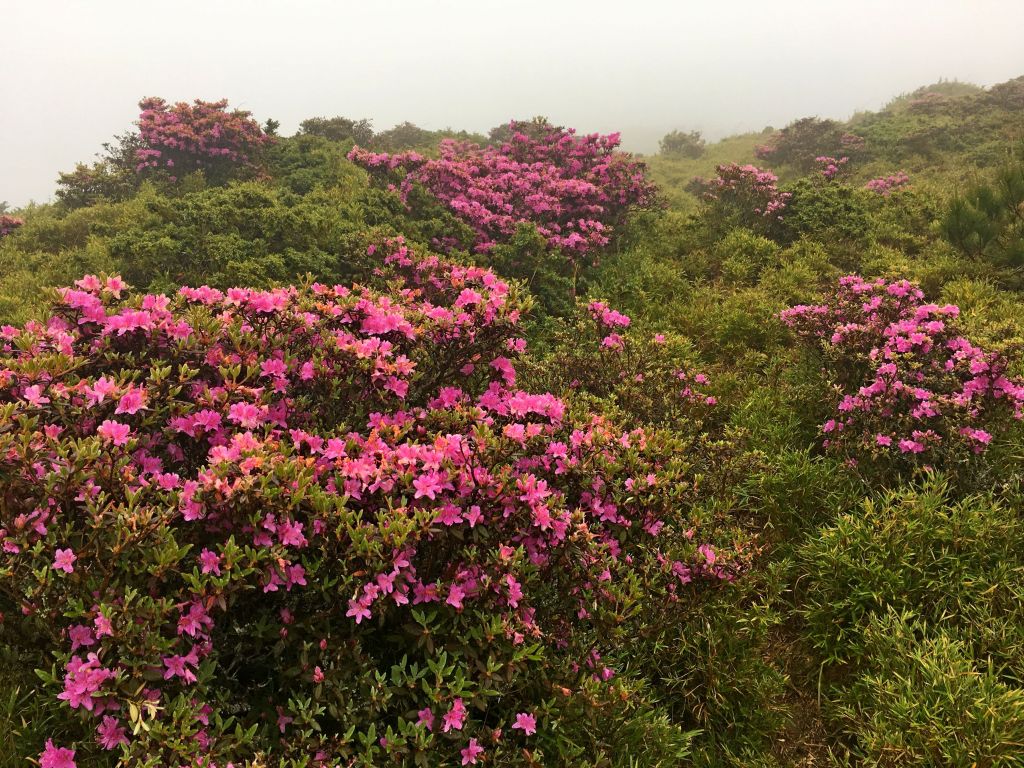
x: 180, y: 138
x: 831, y: 166
x: 574, y: 189
x: 9, y: 223
x: 352, y: 457
x: 851, y: 142
x: 886, y: 185
x: 908, y: 383
x: 747, y: 186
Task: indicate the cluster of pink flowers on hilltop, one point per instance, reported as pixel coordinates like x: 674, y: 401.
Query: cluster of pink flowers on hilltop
x: 831, y: 166
x: 747, y: 186
x: 886, y: 185
x: 180, y: 138
x: 909, y: 385
x: 574, y: 189
x: 9, y: 223
x: 281, y: 449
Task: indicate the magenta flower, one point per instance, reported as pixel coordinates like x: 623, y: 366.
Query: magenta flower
x: 56, y: 757
x: 526, y: 723
x: 131, y: 402
x: 210, y: 562
x: 455, y: 717
x: 471, y: 752
x: 114, y: 432
x: 64, y: 560
x: 34, y: 395
x: 110, y: 733
x: 425, y: 717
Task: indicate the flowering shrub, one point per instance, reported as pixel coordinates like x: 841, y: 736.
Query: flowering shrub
x: 742, y: 196
x: 746, y: 186
x: 831, y: 166
x: 646, y: 376
x: 574, y: 189
x: 801, y: 142
x: 886, y: 185
x: 323, y: 523
x: 8, y: 224
x: 909, y: 388
x: 180, y: 138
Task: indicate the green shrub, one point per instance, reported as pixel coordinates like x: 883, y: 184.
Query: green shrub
x: 953, y: 562
x: 926, y: 701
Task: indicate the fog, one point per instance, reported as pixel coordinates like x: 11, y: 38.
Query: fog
x: 74, y: 71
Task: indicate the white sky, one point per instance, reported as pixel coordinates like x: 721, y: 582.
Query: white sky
x: 74, y: 70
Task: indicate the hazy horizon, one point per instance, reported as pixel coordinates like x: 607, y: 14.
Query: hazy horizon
x: 723, y: 68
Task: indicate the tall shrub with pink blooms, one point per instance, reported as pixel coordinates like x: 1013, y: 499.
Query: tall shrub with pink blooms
x: 176, y: 139
x: 742, y: 196
x: 649, y: 377
x: 9, y: 223
x: 576, y: 190
x: 886, y: 185
x: 324, y: 523
x: 909, y: 390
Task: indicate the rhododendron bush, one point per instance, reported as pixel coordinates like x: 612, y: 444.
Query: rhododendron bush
x: 574, y: 189
x: 909, y: 388
x: 886, y: 185
x: 323, y: 524
x: 9, y: 223
x: 645, y: 376
x: 177, y: 139
x: 743, y: 195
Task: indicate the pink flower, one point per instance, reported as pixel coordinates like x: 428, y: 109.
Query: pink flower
x: 525, y: 722
x: 114, y: 432
x: 246, y: 415
x: 283, y: 720
x: 103, y: 626
x: 425, y: 717
x: 359, y: 610
x: 110, y: 733
x: 131, y: 402
x: 455, y: 717
x: 210, y: 562
x: 471, y: 752
x: 56, y: 757
x: 64, y: 560
x: 34, y: 396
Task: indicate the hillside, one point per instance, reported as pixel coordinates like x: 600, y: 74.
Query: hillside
x: 416, y: 448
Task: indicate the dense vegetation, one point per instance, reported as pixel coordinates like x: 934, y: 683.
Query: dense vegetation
x: 430, y: 448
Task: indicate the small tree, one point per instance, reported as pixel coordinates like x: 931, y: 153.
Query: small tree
x: 338, y: 129
x: 177, y: 139
x: 402, y: 137
x: 682, y: 144
x: 987, y: 221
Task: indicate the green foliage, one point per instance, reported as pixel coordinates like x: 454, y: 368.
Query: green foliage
x: 830, y: 212
x: 246, y: 233
x: 927, y: 700
x: 338, y: 129
x: 744, y: 255
x: 684, y: 144
x: 951, y: 561
x: 800, y: 142
x: 987, y: 221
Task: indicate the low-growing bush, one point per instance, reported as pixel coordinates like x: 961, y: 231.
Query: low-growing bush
x: 909, y: 390
x: 954, y: 563
x: 927, y: 701
x: 322, y: 524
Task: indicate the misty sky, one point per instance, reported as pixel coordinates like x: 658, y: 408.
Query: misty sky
x: 74, y: 70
